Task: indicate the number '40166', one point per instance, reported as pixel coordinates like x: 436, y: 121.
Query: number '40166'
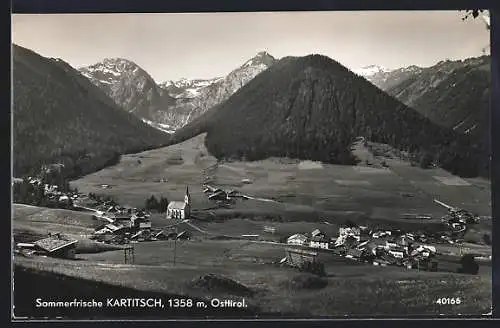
x: 449, y: 301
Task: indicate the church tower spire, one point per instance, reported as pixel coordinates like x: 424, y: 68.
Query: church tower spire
x: 187, y: 197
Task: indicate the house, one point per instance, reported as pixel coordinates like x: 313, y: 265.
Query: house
x: 180, y: 210
x: 65, y: 200
x: 354, y: 232
x: 397, y: 252
x: 186, y: 235
x: 160, y: 235
x: 354, y: 253
x: 56, y: 246
x: 109, y: 228
x: 319, y: 241
x: 270, y: 229
x: 297, y: 239
x: 142, y: 235
x: 141, y: 222
x: 317, y: 232
x: 298, y: 257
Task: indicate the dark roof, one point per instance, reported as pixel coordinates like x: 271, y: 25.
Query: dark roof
x: 52, y: 244
x: 355, y: 252
x: 320, y: 238
x: 184, y: 234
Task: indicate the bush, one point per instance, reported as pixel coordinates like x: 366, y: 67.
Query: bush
x: 487, y: 239
x: 163, y: 205
x: 152, y: 203
x: 468, y: 265
x: 425, y: 160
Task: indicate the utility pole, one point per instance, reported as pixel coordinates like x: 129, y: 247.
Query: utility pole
x: 175, y: 244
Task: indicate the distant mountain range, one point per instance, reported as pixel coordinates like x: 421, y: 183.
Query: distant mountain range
x: 219, y: 90
x: 172, y: 104
x: 300, y: 94
x: 59, y: 116
x: 311, y: 108
x: 386, y: 78
x: 185, y: 88
x: 453, y: 94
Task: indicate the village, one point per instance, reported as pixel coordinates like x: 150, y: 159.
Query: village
x: 276, y: 228
x: 122, y: 226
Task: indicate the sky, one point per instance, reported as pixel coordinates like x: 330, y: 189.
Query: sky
x: 207, y: 45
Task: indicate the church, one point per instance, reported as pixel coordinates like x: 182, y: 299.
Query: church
x: 180, y: 210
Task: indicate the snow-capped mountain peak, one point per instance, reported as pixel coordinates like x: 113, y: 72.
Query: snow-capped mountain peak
x: 371, y: 70
x: 187, y: 88
x: 130, y: 86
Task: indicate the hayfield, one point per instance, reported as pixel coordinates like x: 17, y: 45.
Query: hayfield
x: 39, y: 222
x: 349, y: 288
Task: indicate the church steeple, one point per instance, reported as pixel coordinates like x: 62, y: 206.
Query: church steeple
x: 187, y: 197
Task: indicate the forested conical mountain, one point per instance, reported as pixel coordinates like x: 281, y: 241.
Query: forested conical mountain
x: 130, y: 86
x: 311, y: 108
x: 58, y: 115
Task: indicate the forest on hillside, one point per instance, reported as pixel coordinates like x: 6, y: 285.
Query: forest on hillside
x: 312, y: 108
x: 59, y: 116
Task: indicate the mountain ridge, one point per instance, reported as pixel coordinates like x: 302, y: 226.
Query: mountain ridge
x: 129, y: 85
x: 72, y: 120
x: 301, y: 104
x: 187, y: 109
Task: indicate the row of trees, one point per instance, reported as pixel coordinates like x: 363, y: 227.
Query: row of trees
x: 153, y: 204
x: 34, y: 194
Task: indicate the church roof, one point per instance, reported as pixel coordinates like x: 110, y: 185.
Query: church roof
x: 177, y: 205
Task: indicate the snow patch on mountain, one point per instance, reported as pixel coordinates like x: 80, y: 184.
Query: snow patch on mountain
x: 371, y: 70
x: 187, y: 88
x: 195, y: 97
x: 159, y: 126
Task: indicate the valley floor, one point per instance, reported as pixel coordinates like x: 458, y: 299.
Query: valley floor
x: 299, y: 197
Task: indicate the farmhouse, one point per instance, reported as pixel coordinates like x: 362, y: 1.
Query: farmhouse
x: 109, y: 228
x: 184, y: 235
x: 317, y: 233
x: 141, y: 222
x: 56, y: 246
x: 319, y: 241
x: 297, y: 239
x: 350, y: 231
x: 180, y: 210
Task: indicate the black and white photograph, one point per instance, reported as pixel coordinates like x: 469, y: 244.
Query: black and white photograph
x: 251, y: 165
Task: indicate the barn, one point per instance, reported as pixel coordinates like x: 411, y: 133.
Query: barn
x: 57, y: 247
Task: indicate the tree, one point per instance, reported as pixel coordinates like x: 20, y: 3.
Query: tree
x: 163, y: 205
x: 474, y: 13
x: 487, y: 239
x: 468, y: 265
x: 152, y: 203
x: 425, y: 160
